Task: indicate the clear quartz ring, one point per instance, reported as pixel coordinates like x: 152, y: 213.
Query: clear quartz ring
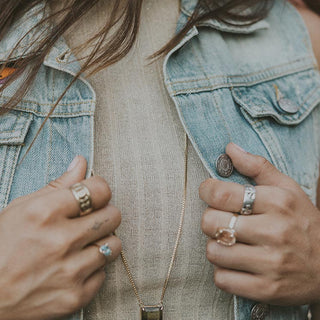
x: 227, y: 236
x: 248, y: 199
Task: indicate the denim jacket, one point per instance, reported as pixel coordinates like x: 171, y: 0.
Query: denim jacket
x: 223, y: 82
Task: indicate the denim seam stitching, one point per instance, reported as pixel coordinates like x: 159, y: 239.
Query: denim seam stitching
x: 49, y: 104
x: 214, y: 97
x: 2, y: 175
x: 280, y: 153
x: 260, y: 129
x: 54, y: 114
x: 14, y: 126
x: 49, y: 151
x: 228, y: 85
x: 16, y: 150
x: 283, y: 116
x: 248, y: 74
x: 22, y: 133
x: 50, y: 130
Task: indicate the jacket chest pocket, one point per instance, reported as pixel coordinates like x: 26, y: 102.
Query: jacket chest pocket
x: 14, y: 127
x: 284, y: 114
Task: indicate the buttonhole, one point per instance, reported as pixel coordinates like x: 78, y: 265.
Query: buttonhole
x: 63, y: 58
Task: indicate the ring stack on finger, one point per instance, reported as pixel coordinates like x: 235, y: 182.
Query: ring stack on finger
x: 248, y: 199
x: 82, y: 195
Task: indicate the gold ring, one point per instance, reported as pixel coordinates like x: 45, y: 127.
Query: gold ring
x: 82, y: 195
x: 227, y: 236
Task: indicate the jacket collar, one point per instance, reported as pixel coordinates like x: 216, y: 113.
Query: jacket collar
x: 23, y: 35
x: 188, y: 6
x: 60, y: 56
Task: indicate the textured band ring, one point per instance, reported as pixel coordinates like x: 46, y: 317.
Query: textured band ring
x: 82, y: 195
x: 227, y: 236
x: 248, y: 199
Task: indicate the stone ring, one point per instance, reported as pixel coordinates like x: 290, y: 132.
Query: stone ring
x: 226, y: 236
x: 248, y: 199
x: 104, y: 249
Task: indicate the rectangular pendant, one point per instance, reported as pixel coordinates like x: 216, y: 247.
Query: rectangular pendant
x: 151, y: 312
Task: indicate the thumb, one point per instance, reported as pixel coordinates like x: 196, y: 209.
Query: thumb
x: 75, y: 173
x: 256, y: 167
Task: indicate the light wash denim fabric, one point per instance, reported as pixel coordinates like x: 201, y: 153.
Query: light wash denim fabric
x: 221, y: 79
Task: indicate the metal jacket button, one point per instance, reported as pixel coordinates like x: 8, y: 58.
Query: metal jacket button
x: 285, y: 104
x: 224, y: 166
x: 259, y: 311
x: 288, y: 106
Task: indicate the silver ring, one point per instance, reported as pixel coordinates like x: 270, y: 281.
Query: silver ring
x: 248, y: 199
x: 227, y: 236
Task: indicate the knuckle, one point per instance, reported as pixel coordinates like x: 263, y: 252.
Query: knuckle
x: 117, y: 216
x: 284, y: 202
x: 281, y: 263
x: 102, y: 185
x: 56, y: 184
x: 37, y: 214
x: 74, y: 300
x: 284, y: 234
x: 272, y: 290
x: 262, y: 164
x: 211, y: 252
x: 118, y: 246
x: 288, y: 201
x: 61, y: 242
x: 281, y: 233
x: 204, y: 186
x: 114, y: 215
x: 69, y: 272
x: 102, y: 277
x: 221, y: 197
x: 206, y: 221
x: 219, y: 280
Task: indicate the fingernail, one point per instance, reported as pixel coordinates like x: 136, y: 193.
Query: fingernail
x: 239, y: 148
x: 73, y: 164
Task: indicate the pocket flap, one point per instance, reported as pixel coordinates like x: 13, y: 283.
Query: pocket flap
x: 14, y: 126
x: 300, y: 92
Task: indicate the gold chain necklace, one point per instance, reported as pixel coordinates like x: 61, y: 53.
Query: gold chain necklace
x: 155, y: 312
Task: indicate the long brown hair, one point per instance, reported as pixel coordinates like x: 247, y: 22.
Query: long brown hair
x: 108, y: 48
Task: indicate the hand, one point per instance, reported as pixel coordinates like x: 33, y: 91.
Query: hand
x: 277, y: 255
x: 48, y: 265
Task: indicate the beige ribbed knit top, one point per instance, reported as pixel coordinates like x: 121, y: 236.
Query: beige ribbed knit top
x: 139, y: 150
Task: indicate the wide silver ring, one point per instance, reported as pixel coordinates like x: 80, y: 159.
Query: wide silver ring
x: 82, y: 195
x: 248, y: 199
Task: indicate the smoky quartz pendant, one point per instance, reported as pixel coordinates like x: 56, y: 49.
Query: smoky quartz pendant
x: 151, y: 312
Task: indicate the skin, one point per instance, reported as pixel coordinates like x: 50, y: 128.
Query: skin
x: 276, y: 259
x: 54, y: 268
